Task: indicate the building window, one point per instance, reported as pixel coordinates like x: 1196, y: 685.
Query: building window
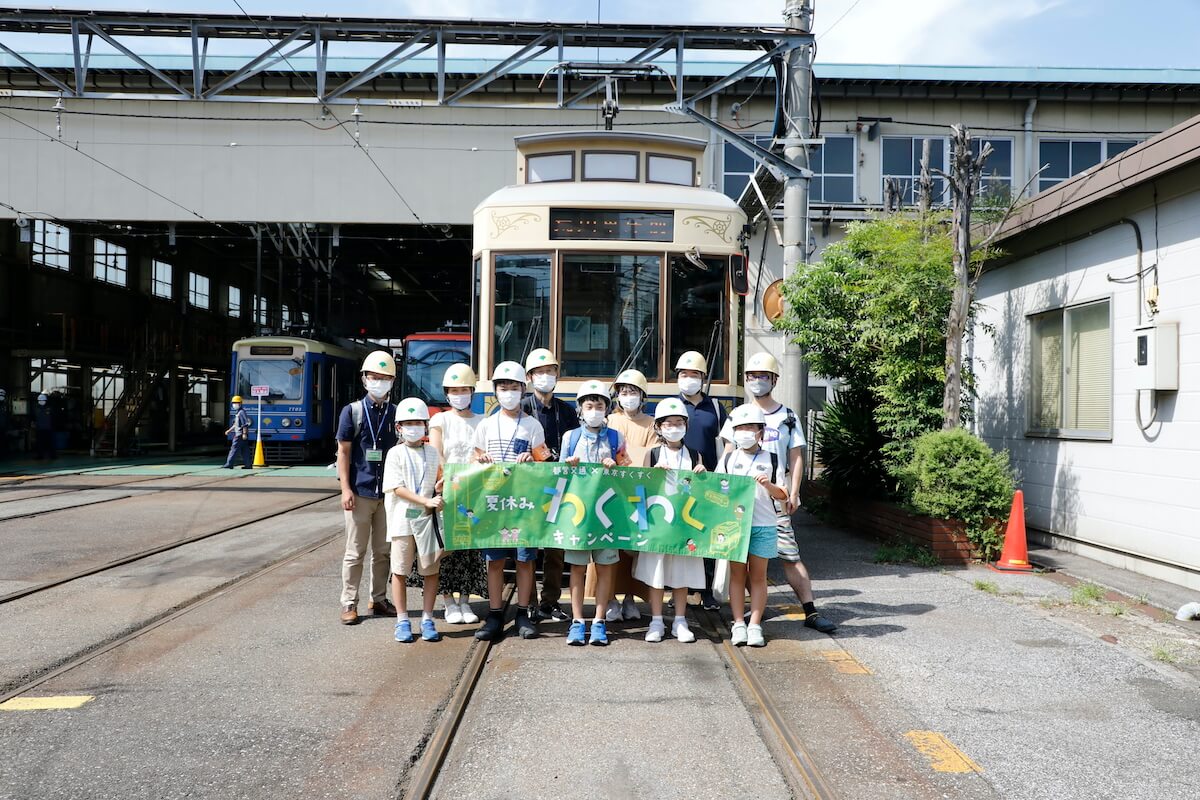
x: 902, y: 164
x: 610, y: 166
x: 996, y: 181
x: 1071, y: 372
x: 522, y: 306
x: 51, y: 245
x: 260, y: 314
x: 738, y: 167
x: 550, y: 167
x: 234, y: 304
x: 1065, y: 158
x: 198, y: 290
x: 833, y: 166
x: 670, y: 169
x: 160, y: 279
x: 110, y: 263
x: 609, y: 304
x: 285, y: 316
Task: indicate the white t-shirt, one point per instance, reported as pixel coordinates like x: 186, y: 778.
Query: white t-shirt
x: 458, y: 435
x: 776, y: 436
x: 680, y: 459
x: 504, y: 438
x: 739, y: 462
x: 414, y: 468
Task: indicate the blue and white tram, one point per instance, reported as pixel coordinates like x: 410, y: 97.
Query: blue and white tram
x: 609, y: 253
x: 309, y: 382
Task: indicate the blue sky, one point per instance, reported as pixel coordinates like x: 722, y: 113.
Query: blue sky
x: 1073, y: 33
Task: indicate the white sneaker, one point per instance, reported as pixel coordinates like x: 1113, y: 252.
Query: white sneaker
x: 657, y: 631
x: 681, y: 631
x: 737, y: 634
x: 452, y: 614
x: 613, y: 612
x: 754, y: 636
x: 468, y: 616
x: 629, y: 608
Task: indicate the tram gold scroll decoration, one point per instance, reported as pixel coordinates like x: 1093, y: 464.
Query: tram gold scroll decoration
x: 503, y: 223
x: 714, y: 225
x: 587, y: 507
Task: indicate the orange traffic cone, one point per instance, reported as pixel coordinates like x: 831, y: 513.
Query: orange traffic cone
x: 1014, y: 557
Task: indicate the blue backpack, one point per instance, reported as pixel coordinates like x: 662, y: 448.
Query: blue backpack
x: 576, y: 434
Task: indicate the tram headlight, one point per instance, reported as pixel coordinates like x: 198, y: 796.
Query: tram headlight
x: 297, y: 422
x: 285, y: 422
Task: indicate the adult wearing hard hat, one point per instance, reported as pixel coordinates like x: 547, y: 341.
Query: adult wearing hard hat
x: 43, y: 427
x: 706, y: 417
x: 239, y: 434
x: 365, y: 433
x: 557, y: 417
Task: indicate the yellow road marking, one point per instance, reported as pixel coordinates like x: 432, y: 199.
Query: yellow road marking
x: 790, y: 613
x: 942, y: 754
x: 46, y: 703
x: 844, y: 662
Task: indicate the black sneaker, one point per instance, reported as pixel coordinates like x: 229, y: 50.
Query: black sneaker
x: 493, y: 627
x: 819, y: 623
x: 551, y: 612
x: 707, y: 601
x: 524, y: 626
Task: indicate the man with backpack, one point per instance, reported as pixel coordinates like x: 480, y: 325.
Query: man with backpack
x: 784, y: 439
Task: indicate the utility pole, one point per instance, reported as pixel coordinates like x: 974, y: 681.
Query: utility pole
x: 797, y: 16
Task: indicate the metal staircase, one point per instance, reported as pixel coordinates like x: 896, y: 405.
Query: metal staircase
x: 142, y: 376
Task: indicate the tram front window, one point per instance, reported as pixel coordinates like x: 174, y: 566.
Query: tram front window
x: 696, y: 303
x: 284, y: 376
x: 522, y: 304
x: 609, y: 302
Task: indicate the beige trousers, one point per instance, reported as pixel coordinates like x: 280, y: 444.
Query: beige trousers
x: 366, y: 530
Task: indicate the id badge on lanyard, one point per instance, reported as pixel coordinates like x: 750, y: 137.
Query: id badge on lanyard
x: 374, y: 454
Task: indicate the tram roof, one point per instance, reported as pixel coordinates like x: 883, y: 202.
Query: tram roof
x: 633, y: 137
x: 608, y: 194
x: 309, y: 345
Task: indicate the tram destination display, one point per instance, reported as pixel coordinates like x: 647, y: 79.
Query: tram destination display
x: 612, y: 224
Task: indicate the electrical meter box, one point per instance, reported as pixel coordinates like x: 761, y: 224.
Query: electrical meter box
x: 1156, y: 357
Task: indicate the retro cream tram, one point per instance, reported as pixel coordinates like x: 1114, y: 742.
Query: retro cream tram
x: 608, y: 252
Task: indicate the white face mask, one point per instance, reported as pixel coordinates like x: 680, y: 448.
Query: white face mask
x: 745, y: 439
x: 237, y: 406
x: 758, y: 386
x: 544, y: 382
x: 508, y: 399
x: 593, y: 418
x: 41, y: 402
x: 378, y: 389
x: 459, y: 401
x: 412, y: 433
x: 672, y: 433
x: 630, y: 402
x: 689, y: 386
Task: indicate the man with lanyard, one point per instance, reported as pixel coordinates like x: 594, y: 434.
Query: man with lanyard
x: 239, y: 450
x: 366, y: 431
x: 784, y: 437
x: 706, y: 417
x: 557, y: 418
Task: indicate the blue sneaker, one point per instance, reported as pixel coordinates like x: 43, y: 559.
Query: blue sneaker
x: 575, y: 635
x: 599, y: 634
x: 404, y: 631
x: 429, y: 631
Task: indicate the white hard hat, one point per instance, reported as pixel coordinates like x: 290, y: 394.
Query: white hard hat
x: 458, y: 375
x: 763, y: 362
x: 380, y: 361
x: 540, y: 358
x: 3, y: 393
x: 692, y: 360
x: 591, y: 388
x: 509, y: 371
x: 671, y: 407
x: 632, y: 377
x: 43, y: 396
x: 746, y: 414
x: 411, y: 408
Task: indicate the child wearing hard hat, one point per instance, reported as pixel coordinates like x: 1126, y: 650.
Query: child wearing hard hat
x: 592, y: 443
x: 658, y: 570
x: 411, y: 479
x: 239, y: 450
x: 510, y: 436
x: 751, y: 460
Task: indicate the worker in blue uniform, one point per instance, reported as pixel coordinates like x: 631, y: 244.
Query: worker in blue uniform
x: 239, y: 432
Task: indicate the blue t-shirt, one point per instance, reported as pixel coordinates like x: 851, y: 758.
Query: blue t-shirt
x: 704, y: 426
x: 378, y: 431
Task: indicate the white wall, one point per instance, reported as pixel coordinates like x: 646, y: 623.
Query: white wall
x: 1137, y: 496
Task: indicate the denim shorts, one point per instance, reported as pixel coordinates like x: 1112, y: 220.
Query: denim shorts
x: 522, y: 554
x: 764, y: 541
x: 602, y: 557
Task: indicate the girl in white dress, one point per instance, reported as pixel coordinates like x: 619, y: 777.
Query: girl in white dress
x: 657, y: 570
x: 452, y: 432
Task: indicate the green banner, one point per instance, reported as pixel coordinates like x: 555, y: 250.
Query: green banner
x: 588, y: 507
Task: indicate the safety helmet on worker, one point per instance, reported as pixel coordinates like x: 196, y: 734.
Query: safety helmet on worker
x: 459, y: 375
x: 670, y: 407
x: 540, y: 357
x: 412, y: 409
x: 692, y: 360
x: 747, y: 414
x: 509, y: 371
x: 380, y: 362
x: 763, y: 362
x: 632, y: 377
x: 592, y: 388
x: 237, y: 398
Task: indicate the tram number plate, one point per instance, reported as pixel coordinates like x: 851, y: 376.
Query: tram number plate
x: 260, y: 391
